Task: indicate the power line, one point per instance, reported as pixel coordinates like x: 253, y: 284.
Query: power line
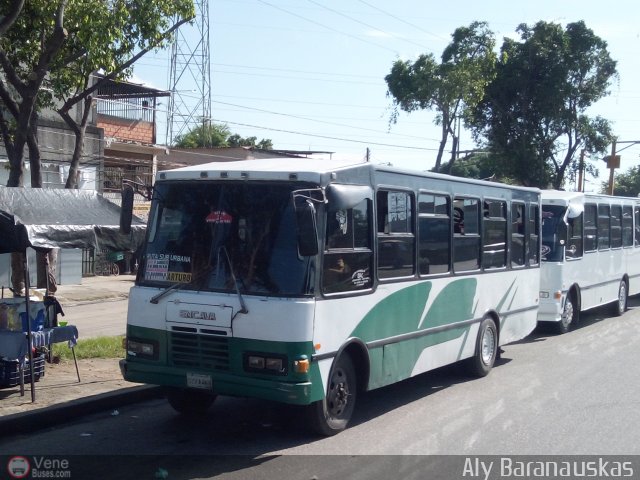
x: 417, y: 27
x: 324, y: 136
x: 318, y: 121
x: 327, y: 27
x: 365, y: 24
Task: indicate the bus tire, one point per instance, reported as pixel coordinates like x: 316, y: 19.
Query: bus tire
x: 187, y: 401
x: 569, y: 315
x: 486, y: 349
x: 620, y: 305
x: 332, y: 414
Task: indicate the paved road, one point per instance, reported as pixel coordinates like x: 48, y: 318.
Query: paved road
x: 572, y: 394
x: 98, y: 319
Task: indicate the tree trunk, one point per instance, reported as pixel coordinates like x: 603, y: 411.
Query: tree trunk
x: 79, y: 130
x: 454, y: 150
x: 443, y: 143
x: 34, y: 152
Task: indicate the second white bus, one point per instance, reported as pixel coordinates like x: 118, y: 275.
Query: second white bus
x: 590, y: 254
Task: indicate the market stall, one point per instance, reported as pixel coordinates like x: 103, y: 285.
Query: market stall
x: 43, y: 219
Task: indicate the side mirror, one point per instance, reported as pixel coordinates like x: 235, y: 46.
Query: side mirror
x: 306, y: 229
x: 126, y: 210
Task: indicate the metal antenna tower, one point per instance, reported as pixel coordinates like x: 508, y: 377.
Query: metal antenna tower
x: 190, y: 76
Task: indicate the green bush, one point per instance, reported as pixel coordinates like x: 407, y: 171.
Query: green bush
x: 99, y: 347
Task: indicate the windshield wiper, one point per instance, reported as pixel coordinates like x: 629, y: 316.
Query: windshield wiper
x: 243, y: 307
x: 171, y: 288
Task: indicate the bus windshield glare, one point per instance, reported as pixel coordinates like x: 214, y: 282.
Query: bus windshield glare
x: 226, y: 237
x: 554, y: 233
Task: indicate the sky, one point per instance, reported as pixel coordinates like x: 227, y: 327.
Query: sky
x: 309, y: 74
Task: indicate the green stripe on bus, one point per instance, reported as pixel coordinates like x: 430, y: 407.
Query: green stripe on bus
x: 401, y: 313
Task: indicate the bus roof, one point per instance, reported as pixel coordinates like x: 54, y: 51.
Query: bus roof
x: 280, y: 168
x: 564, y: 198
x: 306, y: 169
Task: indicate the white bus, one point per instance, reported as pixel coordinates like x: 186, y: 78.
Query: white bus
x: 307, y: 282
x: 590, y: 254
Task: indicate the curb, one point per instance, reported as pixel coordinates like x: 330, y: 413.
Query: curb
x: 26, y: 422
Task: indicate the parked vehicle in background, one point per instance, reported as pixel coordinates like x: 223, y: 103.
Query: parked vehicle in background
x: 308, y: 282
x: 590, y: 254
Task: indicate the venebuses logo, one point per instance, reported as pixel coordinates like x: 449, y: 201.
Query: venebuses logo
x: 18, y: 467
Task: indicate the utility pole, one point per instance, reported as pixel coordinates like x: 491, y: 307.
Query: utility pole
x: 613, y: 162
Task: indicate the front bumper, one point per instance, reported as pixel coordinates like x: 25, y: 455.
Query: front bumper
x: 300, y: 393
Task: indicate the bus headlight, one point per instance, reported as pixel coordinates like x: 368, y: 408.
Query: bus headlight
x: 265, y: 363
x: 544, y: 294
x: 142, y: 348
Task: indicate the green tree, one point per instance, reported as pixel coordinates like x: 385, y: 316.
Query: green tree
x: 451, y: 87
x: 206, y: 135
x: 625, y: 184
x: 479, y: 165
x: 50, y: 49
x: 533, y: 115
x: 218, y: 135
x: 236, y: 140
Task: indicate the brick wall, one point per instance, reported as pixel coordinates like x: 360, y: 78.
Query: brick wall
x: 122, y: 129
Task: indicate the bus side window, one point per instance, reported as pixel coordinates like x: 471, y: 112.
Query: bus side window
x: 533, y: 243
x: 434, y: 234
x: 494, y: 241
x: 636, y: 223
x: 627, y: 226
x: 466, y: 244
x: 575, y: 247
x: 604, y: 227
x: 590, y: 228
x: 396, y: 237
x: 517, y: 234
x: 616, y: 226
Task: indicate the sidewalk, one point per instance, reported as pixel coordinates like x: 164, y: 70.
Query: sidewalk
x: 58, y: 394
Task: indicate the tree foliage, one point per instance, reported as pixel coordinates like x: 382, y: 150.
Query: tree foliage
x: 49, y: 49
x: 214, y: 135
x: 480, y: 165
x: 236, y: 140
x: 533, y: 115
x: 625, y: 184
x: 451, y: 87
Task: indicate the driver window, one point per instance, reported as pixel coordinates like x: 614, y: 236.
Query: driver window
x: 347, y: 256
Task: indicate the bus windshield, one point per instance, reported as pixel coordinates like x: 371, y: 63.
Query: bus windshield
x: 225, y: 237
x: 554, y: 233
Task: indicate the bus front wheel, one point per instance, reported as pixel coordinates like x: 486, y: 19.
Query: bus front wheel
x: 188, y: 401
x: 486, y: 349
x: 569, y: 315
x: 332, y: 414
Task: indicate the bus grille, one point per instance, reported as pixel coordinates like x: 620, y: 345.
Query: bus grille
x: 198, y: 351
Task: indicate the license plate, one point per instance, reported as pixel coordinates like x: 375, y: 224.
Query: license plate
x: 199, y: 380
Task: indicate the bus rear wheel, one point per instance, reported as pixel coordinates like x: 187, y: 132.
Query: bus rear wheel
x: 332, y: 414
x: 486, y: 349
x: 620, y: 306
x: 188, y: 401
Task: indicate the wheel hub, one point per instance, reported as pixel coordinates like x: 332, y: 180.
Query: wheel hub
x: 488, y: 346
x: 339, y: 396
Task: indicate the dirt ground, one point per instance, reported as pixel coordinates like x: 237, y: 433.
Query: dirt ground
x: 60, y: 384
